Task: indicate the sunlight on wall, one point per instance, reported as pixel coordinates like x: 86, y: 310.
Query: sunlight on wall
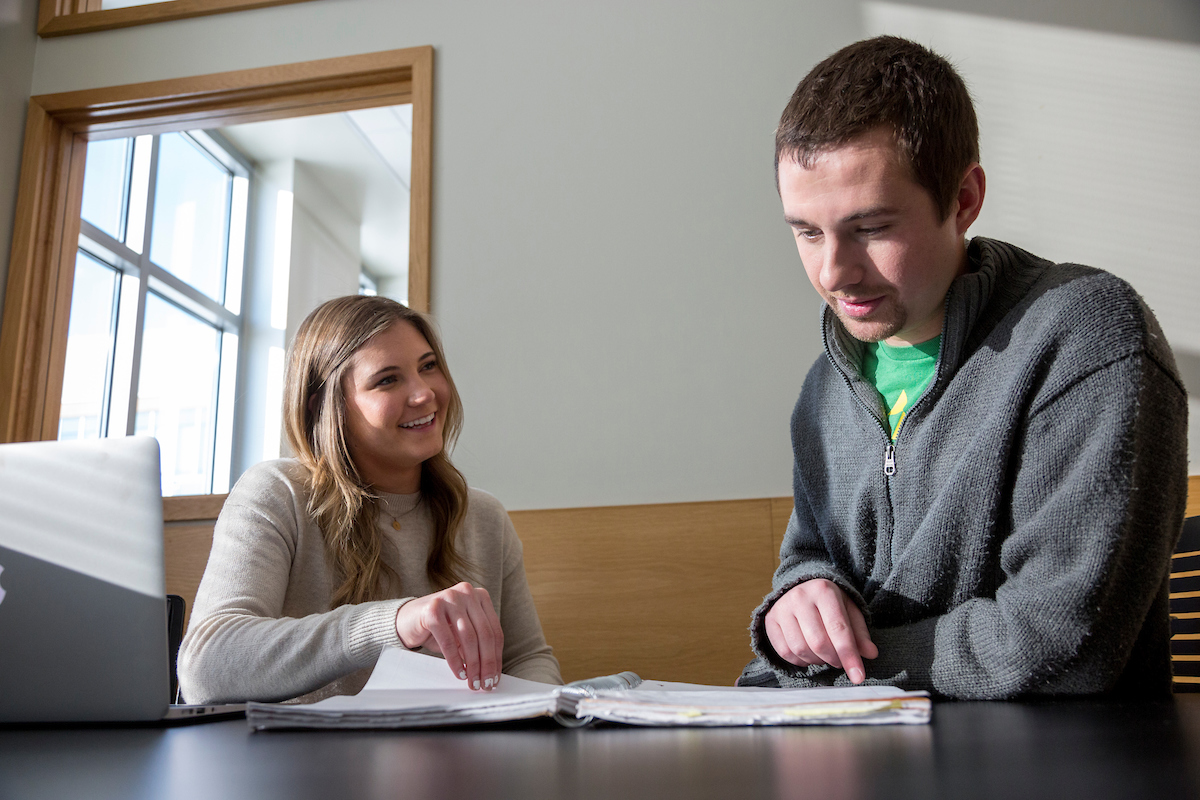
x: 1089, y: 144
x: 283, y: 260
x: 273, y: 411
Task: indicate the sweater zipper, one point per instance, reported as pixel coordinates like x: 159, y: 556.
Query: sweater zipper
x: 889, y: 455
x: 889, y: 451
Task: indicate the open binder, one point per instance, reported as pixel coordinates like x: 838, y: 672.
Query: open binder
x: 412, y: 690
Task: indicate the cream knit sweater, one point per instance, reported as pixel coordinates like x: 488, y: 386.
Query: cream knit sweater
x: 262, y: 627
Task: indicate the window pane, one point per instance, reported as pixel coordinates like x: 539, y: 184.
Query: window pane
x: 226, y: 400
x: 177, y: 392
x: 139, y: 190
x: 237, y: 244
x: 191, y: 207
x: 104, y: 185
x: 89, y: 349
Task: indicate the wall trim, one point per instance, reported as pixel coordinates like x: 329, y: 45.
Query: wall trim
x: 63, y: 17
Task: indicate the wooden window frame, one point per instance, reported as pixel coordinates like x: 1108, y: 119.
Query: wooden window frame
x: 37, y: 301
x: 62, y: 17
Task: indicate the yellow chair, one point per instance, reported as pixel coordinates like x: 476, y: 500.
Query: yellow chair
x: 1185, y: 598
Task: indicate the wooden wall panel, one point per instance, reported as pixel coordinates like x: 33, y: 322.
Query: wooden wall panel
x: 187, y: 538
x: 192, y: 507
x: 781, y: 511
x: 663, y: 590
x: 186, y: 547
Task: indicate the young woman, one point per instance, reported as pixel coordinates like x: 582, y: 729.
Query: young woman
x: 369, y: 537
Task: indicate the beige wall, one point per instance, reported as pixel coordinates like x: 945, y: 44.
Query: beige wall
x: 622, y: 307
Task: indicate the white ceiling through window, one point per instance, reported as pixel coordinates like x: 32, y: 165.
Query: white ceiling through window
x: 362, y: 159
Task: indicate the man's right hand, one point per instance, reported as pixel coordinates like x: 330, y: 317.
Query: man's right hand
x: 816, y: 623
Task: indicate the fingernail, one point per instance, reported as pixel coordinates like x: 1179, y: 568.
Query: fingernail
x: 477, y: 683
x: 497, y: 679
x: 487, y: 684
x: 462, y: 674
x: 856, y: 675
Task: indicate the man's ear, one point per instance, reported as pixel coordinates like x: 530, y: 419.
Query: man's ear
x: 970, y: 198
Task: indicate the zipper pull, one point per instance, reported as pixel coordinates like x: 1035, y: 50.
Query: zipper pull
x: 889, y: 460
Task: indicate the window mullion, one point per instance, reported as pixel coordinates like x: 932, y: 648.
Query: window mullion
x: 185, y: 295
x: 144, y: 266
x: 135, y: 372
x: 151, y: 193
x: 126, y: 189
x: 110, y: 369
x: 114, y: 249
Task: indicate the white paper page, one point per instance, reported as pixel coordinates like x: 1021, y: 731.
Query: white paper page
x: 747, y: 698
x: 401, y: 669
x: 721, y: 706
x: 672, y: 686
x: 415, y: 699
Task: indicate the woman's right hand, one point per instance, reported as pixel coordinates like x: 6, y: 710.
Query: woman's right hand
x: 461, y: 624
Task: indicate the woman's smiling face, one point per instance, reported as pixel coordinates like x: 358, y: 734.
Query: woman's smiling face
x: 396, y: 396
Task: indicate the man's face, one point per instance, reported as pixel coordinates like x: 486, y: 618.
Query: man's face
x: 871, y: 240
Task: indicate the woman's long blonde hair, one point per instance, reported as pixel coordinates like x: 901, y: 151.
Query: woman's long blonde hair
x: 344, y: 507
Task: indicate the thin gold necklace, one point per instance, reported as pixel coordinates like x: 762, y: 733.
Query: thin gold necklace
x: 395, y: 518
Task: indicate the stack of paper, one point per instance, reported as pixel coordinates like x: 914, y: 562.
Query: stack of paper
x: 413, y: 690
x: 409, y: 690
x: 857, y: 705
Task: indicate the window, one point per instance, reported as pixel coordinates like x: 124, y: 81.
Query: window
x: 367, y: 284
x: 155, y: 319
x: 58, y: 18
x: 33, y: 338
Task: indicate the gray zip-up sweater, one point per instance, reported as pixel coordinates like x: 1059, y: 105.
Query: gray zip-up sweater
x: 1016, y: 538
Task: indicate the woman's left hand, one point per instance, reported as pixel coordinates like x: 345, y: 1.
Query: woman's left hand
x: 461, y: 624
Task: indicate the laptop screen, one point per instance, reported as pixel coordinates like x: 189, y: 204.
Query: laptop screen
x: 83, y: 612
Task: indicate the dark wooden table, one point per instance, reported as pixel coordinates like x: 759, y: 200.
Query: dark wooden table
x: 1074, y: 749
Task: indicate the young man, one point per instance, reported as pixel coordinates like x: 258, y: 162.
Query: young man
x: 990, y: 458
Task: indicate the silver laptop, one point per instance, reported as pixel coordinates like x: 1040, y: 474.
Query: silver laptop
x: 83, y: 613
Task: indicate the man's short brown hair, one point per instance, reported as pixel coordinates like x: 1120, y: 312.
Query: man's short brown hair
x: 886, y: 82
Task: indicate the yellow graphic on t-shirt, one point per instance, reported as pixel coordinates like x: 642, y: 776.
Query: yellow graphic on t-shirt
x: 898, y: 408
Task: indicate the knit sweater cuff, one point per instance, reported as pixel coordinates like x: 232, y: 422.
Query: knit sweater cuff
x: 371, y: 628
x: 784, y: 583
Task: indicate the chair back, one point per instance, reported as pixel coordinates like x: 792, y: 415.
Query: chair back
x: 1185, y: 598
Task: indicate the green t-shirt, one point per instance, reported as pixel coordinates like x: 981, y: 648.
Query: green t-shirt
x: 900, y: 374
